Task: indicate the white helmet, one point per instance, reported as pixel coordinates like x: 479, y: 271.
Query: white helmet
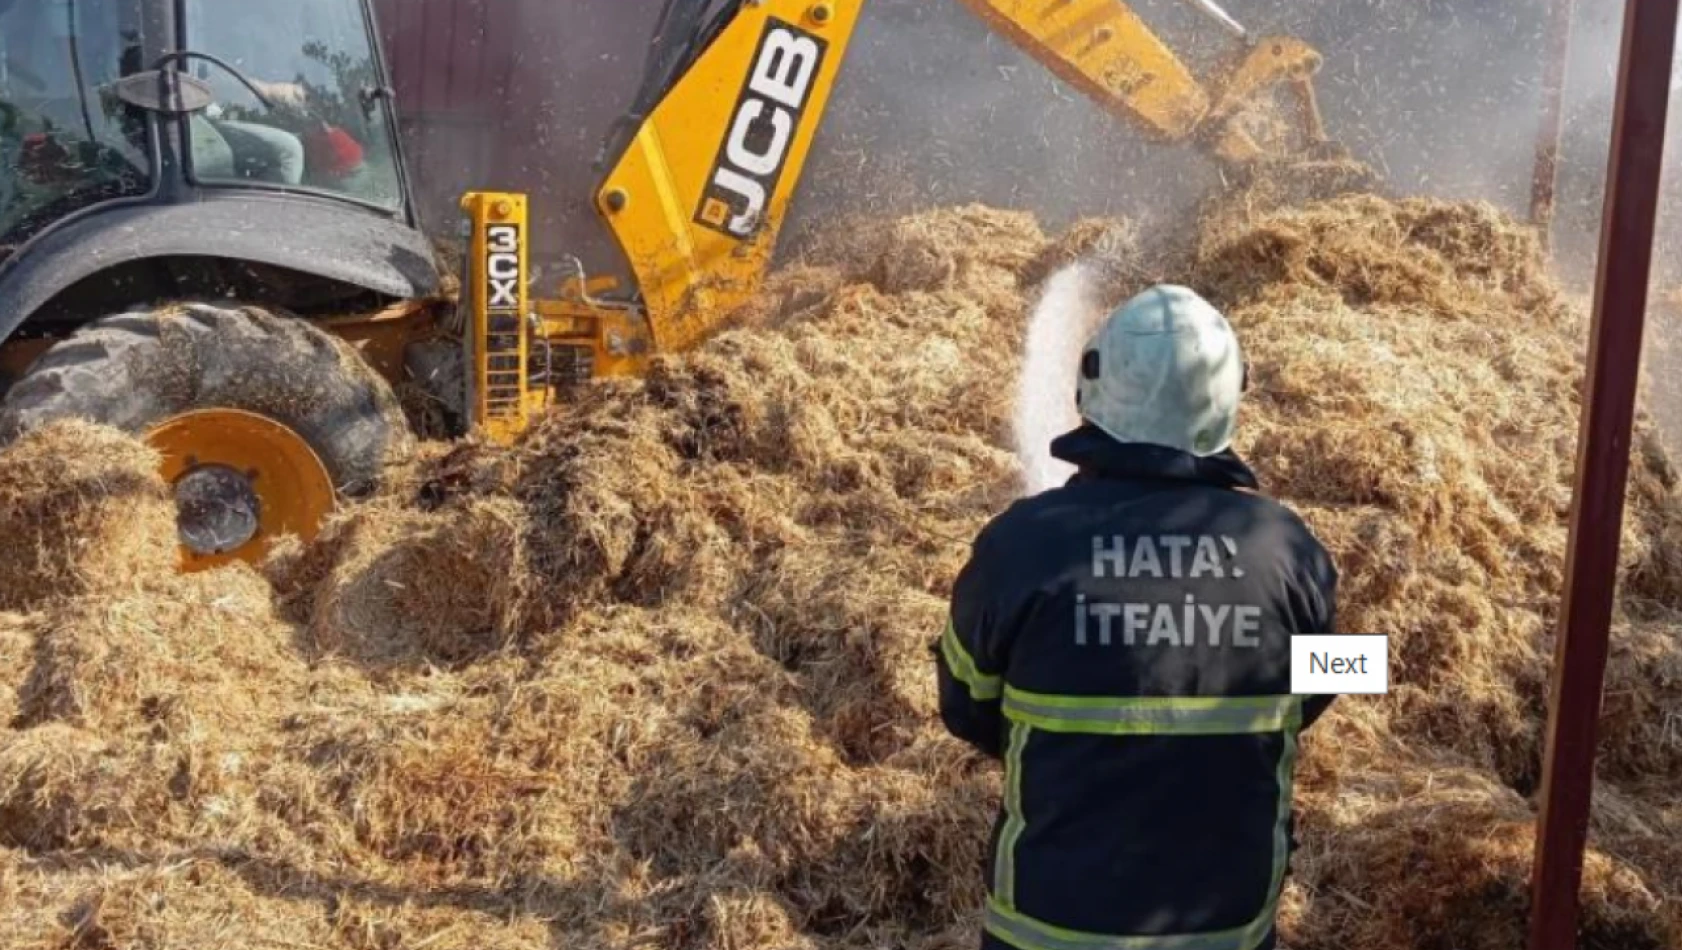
x: 1164, y: 369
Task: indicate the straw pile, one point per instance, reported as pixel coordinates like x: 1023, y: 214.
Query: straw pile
x: 1415, y: 388
x: 659, y: 676
x: 81, y: 509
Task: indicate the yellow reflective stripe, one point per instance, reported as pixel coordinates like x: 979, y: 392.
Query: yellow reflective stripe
x: 981, y: 686
x: 1114, y: 702
x: 1020, y: 930
x: 1150, y: 715
x: 1281, y: 826
x: 1004, y: 861
x: 1012, y: 926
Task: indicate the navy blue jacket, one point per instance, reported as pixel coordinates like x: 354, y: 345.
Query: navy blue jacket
x: 1123, y: 643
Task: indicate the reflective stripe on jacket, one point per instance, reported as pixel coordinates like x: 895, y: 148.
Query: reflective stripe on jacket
x: 1123, y: 644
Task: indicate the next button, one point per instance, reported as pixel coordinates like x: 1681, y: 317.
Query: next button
x: 1340, y: 663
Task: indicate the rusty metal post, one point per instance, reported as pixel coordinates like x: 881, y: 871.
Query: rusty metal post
x: 1620, y: 304
x: 1556, y: 50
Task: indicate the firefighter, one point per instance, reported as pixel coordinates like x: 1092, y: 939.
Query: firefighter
x: 1123, y: 644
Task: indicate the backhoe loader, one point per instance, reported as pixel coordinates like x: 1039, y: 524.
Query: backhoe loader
x: 194, y: 194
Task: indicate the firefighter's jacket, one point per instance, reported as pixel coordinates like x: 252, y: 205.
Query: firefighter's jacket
x: 1123, y: 643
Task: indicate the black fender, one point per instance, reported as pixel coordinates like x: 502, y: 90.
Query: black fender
x: 314, y: 236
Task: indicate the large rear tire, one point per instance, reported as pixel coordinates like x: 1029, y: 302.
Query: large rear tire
x: 147, y: 371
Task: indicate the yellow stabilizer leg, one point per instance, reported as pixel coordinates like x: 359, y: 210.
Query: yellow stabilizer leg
x: 497, y: 337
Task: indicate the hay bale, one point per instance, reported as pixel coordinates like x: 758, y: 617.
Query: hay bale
x: 1454, y: 259
x: 1641, y: 716
x: 65, y: 789
x: 963, y: 247
x: 17, y: 648
x: 143, y: 713
x: 194, y: 902
x: 1112, y: 244
x: 1415, y: 393
x: 746, y: 919
x: 407, y: 586
x: 1419, y: 847
x: 1414, y: 389
x: 422, y: 787
x: 715, y: 725
x: 856, y: 642
x: 910, y: 857
x: 51, y: 795
x: 790, y: 294
x: 198, y: 652
x: 612, y: 512
x: 381, y: 923
x: 81, y: 509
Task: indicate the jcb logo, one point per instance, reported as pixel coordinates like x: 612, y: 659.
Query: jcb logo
x: 767, y: 118
x: 502, y: 266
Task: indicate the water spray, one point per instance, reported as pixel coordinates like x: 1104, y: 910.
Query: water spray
x: 1068, y: 311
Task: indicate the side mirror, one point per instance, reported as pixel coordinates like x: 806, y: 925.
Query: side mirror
x: 371, y: 96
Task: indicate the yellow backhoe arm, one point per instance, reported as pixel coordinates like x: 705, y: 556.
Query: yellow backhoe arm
x: 701, y: 180
x: 699, y: 194
x: 1102, y: 48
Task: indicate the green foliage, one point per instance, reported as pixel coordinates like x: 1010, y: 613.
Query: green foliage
x: 353, y: 74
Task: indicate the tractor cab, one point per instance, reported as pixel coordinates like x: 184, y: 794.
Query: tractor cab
x: 271, y: 119
x: 66, y: 144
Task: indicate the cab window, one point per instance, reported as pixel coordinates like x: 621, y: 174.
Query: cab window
x: 66, y: 141
x: 320, y: 124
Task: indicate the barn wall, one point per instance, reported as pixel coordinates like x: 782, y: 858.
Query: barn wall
x: 515, y: 95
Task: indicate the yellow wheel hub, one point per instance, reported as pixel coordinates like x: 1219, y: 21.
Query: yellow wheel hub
x: 240, y: 481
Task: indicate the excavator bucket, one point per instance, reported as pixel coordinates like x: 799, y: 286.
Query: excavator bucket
x: 1104, y: 49
x: 1246, y: 124
x: 1283, y: 144
x: 1107, y: 51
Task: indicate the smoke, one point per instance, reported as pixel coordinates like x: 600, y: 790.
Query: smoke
x: 1070, y: 308
x: 1443, y: 97
x: 1446, y: 98
x: 934, y: 108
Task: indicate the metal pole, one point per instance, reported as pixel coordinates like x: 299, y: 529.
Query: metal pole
x: 1557, y: 50
x: 1620, y: 304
